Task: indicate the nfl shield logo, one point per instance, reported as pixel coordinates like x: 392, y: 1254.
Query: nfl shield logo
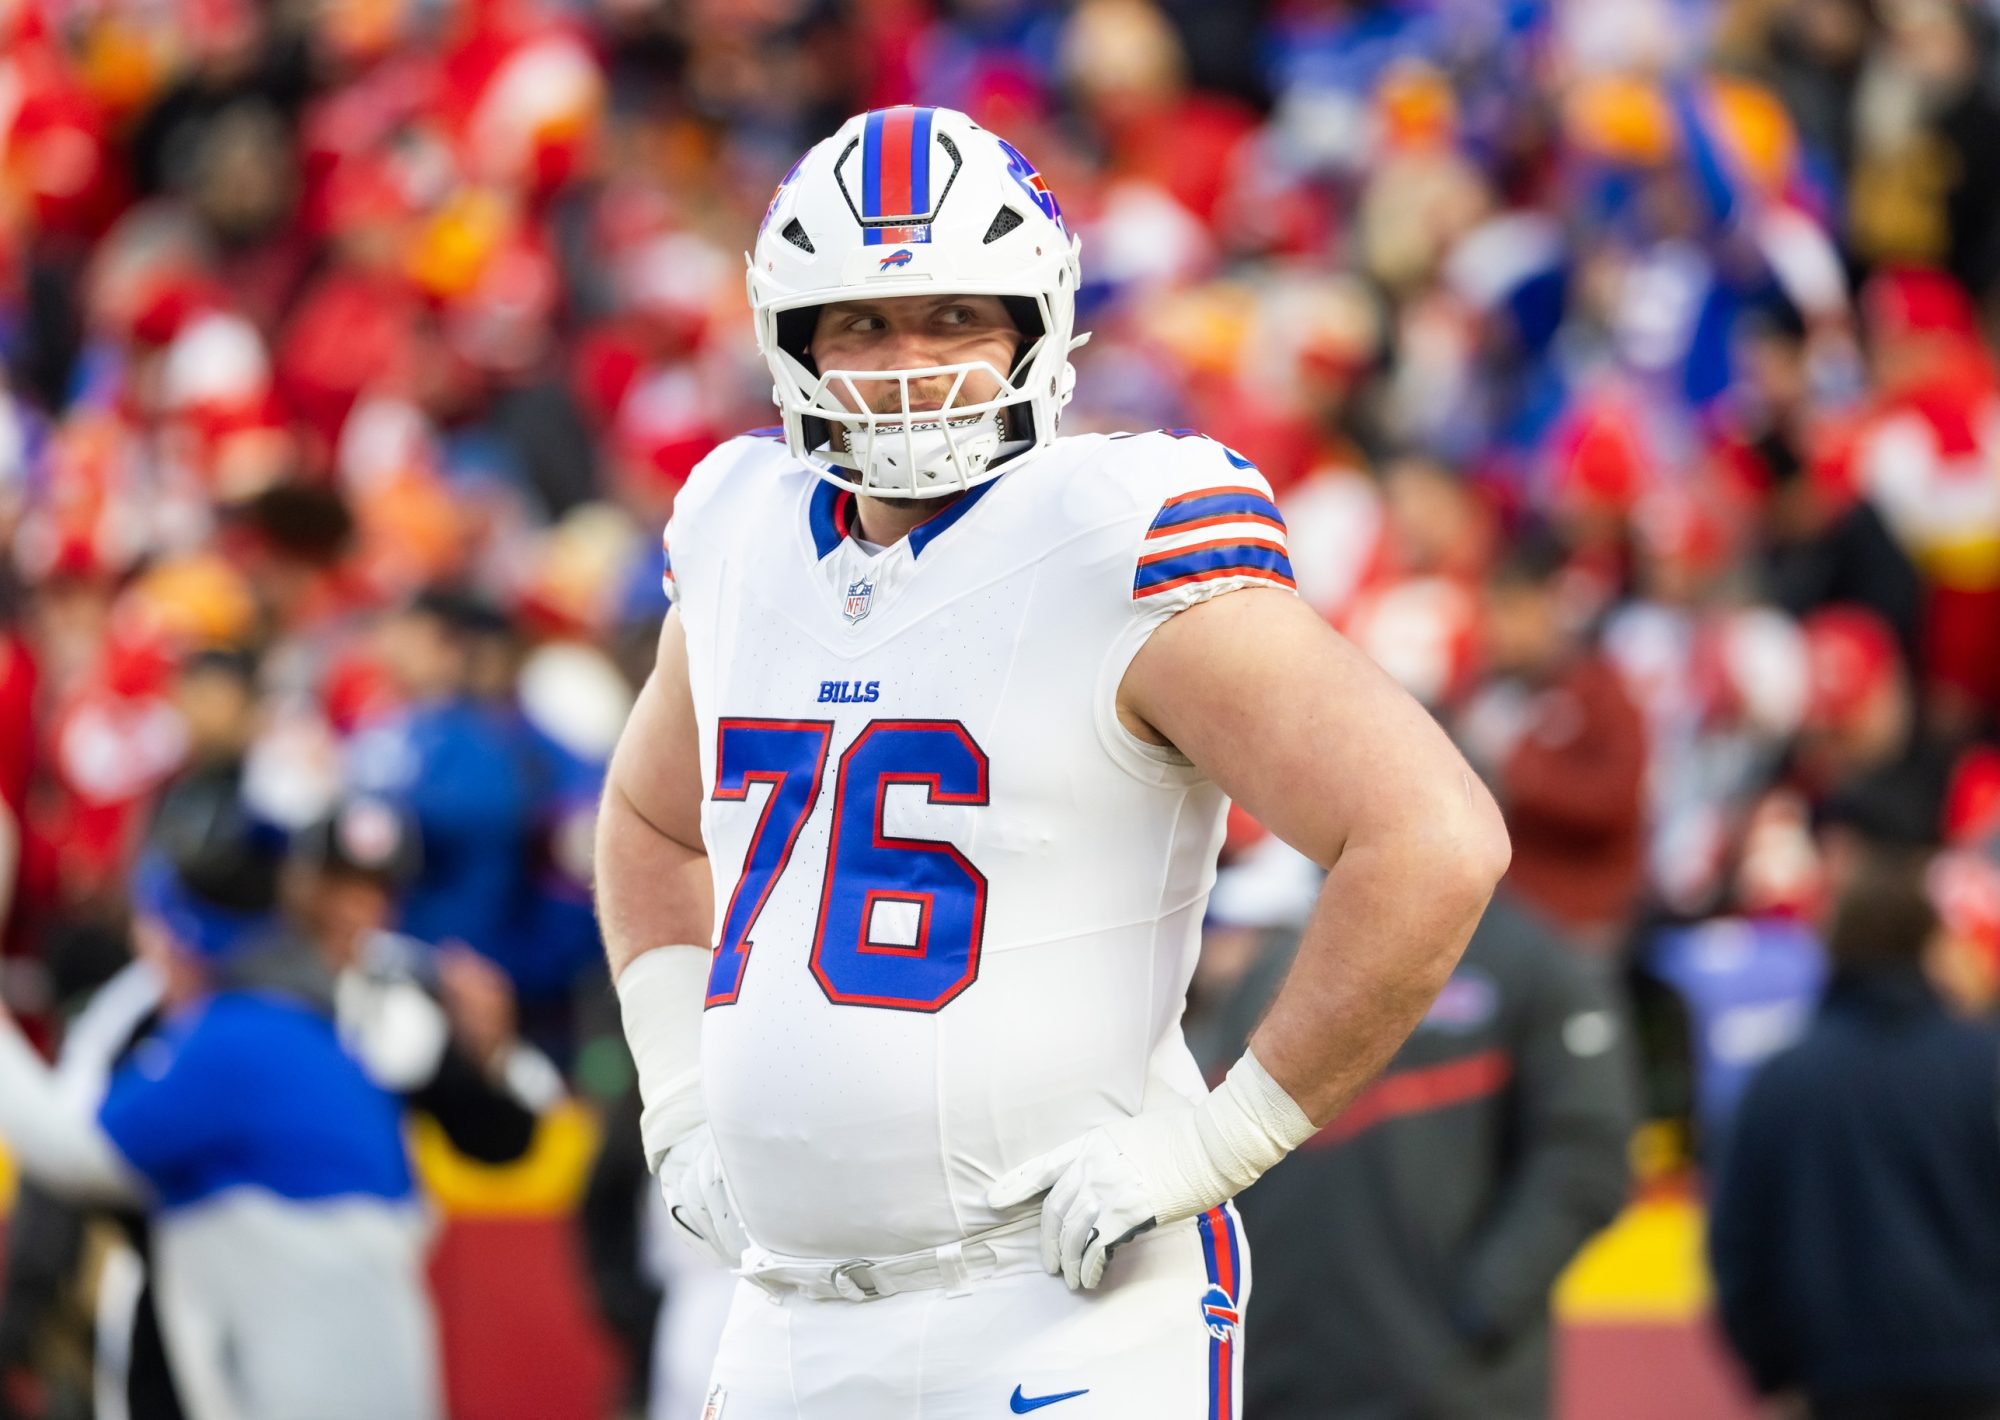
x: 859, y: 595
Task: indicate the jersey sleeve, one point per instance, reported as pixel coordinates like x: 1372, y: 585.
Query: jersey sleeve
x: 1210, y: 527
x: 689, y: 538
x: 1195, y: 520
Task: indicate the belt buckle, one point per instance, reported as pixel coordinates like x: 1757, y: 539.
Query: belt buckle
x: 850, y: 1285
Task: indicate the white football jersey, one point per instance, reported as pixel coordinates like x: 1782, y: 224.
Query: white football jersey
x: 958, y: 903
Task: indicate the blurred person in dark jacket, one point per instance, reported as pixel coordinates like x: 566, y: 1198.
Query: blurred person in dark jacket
x: 435, y: 1025
x: 1410, y: 1247
x: 1863, y: 758
x: 1563, y: 747
x: 215, y: 693
x: 1818, y: 544
x: 1855, y: 1226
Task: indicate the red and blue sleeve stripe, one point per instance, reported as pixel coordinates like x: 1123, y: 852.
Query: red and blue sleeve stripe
x: 1212, y: 506
x: 896, y: 174
x: 1224, y: 1260
x: 1212, y: 561
x: 1247, y: 539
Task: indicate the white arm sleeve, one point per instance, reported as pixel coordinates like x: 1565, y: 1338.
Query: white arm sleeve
x: 660, y: 996
x: 52, y: 1141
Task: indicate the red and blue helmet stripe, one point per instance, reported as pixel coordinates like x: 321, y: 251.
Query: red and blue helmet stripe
x: 896, y: 174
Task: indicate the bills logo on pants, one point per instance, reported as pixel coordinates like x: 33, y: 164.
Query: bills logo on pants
x: 1220, y: 1309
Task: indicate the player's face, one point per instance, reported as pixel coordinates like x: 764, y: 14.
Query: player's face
x: 913, y: 332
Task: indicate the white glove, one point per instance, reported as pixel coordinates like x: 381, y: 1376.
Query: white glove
x: 660, y: 996
x: 699, y: 1201
x: 1120, y: 1179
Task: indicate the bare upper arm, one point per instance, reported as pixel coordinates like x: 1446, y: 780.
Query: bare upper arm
x: 1301, y: 728
x: 657, y: 765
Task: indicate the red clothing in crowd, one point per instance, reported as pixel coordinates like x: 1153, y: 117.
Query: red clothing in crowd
x: 1573, y: 787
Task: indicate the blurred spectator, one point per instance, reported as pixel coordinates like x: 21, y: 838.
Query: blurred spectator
x: 216, y: 695
x: 1863, y: 757
x: 17, y: 745
x: 1407, y: 1252
x: 1558, y: 737
x: 1748, y: 987
x: 434, y: 1026
x: 456, y: 1062
x: 447, y: 759
x: 288, y: 1254
x: 1925, y: 458
x: 1821, y: 545
x: 1855, y: 1234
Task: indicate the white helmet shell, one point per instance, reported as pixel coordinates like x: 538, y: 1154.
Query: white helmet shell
x: 915, y: 202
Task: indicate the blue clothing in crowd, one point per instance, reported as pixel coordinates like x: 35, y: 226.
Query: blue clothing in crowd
x: 1856, y: 1221
x: 250, y: 1090
x: 457, y: 767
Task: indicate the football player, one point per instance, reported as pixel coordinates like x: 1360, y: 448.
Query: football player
x: 905, y: 848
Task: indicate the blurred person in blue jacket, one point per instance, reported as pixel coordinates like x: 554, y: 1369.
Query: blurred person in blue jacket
x: 287, y: 1242
x: 1855, y: 1227
x: 455, y: 763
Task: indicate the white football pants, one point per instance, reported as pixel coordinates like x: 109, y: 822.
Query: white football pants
x: 1160, y: 1339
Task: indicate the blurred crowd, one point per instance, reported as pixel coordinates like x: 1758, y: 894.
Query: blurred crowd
x: 1623, y: 369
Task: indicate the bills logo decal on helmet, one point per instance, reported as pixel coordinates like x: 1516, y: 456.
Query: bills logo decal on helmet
x: 1032, y: 182
x: 779, y: 191
x: 899, y: 257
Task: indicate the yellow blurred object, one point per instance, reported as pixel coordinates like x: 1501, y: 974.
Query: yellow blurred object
x: 121, y: 64
x: 198, y: 600
x: 548, y: 1182
x: 454, y: 246
x: 364, y: 29
x: 1659, y: 1149
x: 1622, y: 117
x: 1648, y: 1266
x: 1417, y: 107
x: 7, y: 1183
x: 1203, y: 327
x: 1755, y: 130
x: 1969, y: 561
x: 411, y: 532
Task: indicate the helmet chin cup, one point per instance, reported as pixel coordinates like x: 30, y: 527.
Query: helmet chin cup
x: 912, y: 449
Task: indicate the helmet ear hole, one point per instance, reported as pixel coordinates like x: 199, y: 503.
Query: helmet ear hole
x: 795, y: 330
x: 1026, y: 315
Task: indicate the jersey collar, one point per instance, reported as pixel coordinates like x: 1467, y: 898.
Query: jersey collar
x: 830, y: 515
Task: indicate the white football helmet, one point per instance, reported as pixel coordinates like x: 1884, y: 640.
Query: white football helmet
x: 910, y: 202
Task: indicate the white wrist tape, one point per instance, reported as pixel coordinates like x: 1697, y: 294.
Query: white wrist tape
x: 660, y: 998
x: 1248, y: 1123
